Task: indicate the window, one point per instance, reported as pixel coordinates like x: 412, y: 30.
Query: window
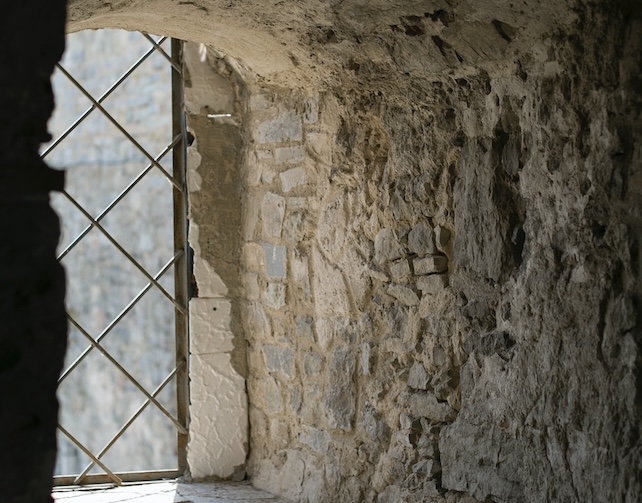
x: 119, y: 134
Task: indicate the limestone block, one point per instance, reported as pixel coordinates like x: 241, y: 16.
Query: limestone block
x: 421, y: 240
x: 418, y: 377
x: 330, y: 292
x: 433, y: 283
x: 274, y: 295
x: 315, y: 439
x: 400, y: 270
x: 209, y: 321
x: 282, y: 128
x: 278, y: 359
x: 430, y: 265
x: 267, y: 396
x: 303, y: 325
x: 426, y: 405
x: 312, y: 363
x: 387, y: 246
x: 283, y: 155
x: 254, y: 257
x: 403, y: 294
x: 293, y: 178
x: 272, y: 212
x: 275, y: 260
x: 341, y: 393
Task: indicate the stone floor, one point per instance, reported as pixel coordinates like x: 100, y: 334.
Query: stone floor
x: 167, y: 492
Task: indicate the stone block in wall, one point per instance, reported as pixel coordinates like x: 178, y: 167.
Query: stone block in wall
x: 272, y: 213
x: 303, y: 326
x: 317, y: 440
x: 430, y: 265
x: 403, y: 294
x: 293, y: 178
x: 426, y: 405
x: 330, y: 291
x: 418, y: 377
x: 387, y: 246
x: 341, y: 392
x: 400, y: 270
x: 275, y: 260
x: 421, y: 240
x: 267, y: 396
x: 282, y: 128
x: 286, y: 155
x: 278, y: 359
x: 433, y: 283
x: 274, y: 295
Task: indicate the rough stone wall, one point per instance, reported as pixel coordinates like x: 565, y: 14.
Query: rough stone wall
x: 443, y: 289
x: 439, y: 228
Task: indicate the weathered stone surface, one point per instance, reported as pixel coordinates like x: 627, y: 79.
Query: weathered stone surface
x: 433, y: 283
x: 274, y: 295
x: 403, y: 294
x: 421, y: 240
x: 518, y: 132
x: 278, y: 359
x: 284, y: 127
x: 341, y: 392
x: 293, y: 178
x: 387, y: 246
x: 272, y: 213
x: 275, y: 260
x: 418, y: 377
x: 400, y: 270
x: 316, y: 439
x: 430, y: 265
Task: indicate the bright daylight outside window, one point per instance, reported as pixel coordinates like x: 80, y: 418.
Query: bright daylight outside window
x: 118, y: 134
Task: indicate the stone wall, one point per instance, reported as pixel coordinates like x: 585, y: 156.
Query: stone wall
x: 437, y: 214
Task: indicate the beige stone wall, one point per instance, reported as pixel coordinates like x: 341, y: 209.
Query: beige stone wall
x: 432, y: 239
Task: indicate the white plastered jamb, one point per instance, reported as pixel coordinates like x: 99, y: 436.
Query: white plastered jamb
x: 218, y: 432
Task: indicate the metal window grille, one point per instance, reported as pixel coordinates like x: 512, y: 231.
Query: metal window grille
x: 103, y: 336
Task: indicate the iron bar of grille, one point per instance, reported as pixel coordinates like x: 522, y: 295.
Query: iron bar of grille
x: 123, y: 251
x: 125, y: 477
x: 118, y: 198
x: 104, y: 96
x: 129, y: 422
x: 78, y: 444
x: 131, y: 378
x: 180, y: 244
x: 172, y: 61
x: 117, y: 124
x: 119, y: 317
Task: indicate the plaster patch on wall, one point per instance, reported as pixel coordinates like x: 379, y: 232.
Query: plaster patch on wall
x: 218, y: 412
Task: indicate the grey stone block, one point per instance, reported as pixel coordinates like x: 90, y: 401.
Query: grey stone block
x: 275, y: 260
x: 430, y: 265
x: 421, y: 240
x: 434, y: 283
x: 387, y: 246
x: 403, y: 294
x: 279, y: 359
x: 284, y: 127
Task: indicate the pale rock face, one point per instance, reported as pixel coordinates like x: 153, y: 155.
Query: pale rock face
x: 495, y: 149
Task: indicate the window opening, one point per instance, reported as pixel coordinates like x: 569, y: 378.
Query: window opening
x: 124, y: 389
